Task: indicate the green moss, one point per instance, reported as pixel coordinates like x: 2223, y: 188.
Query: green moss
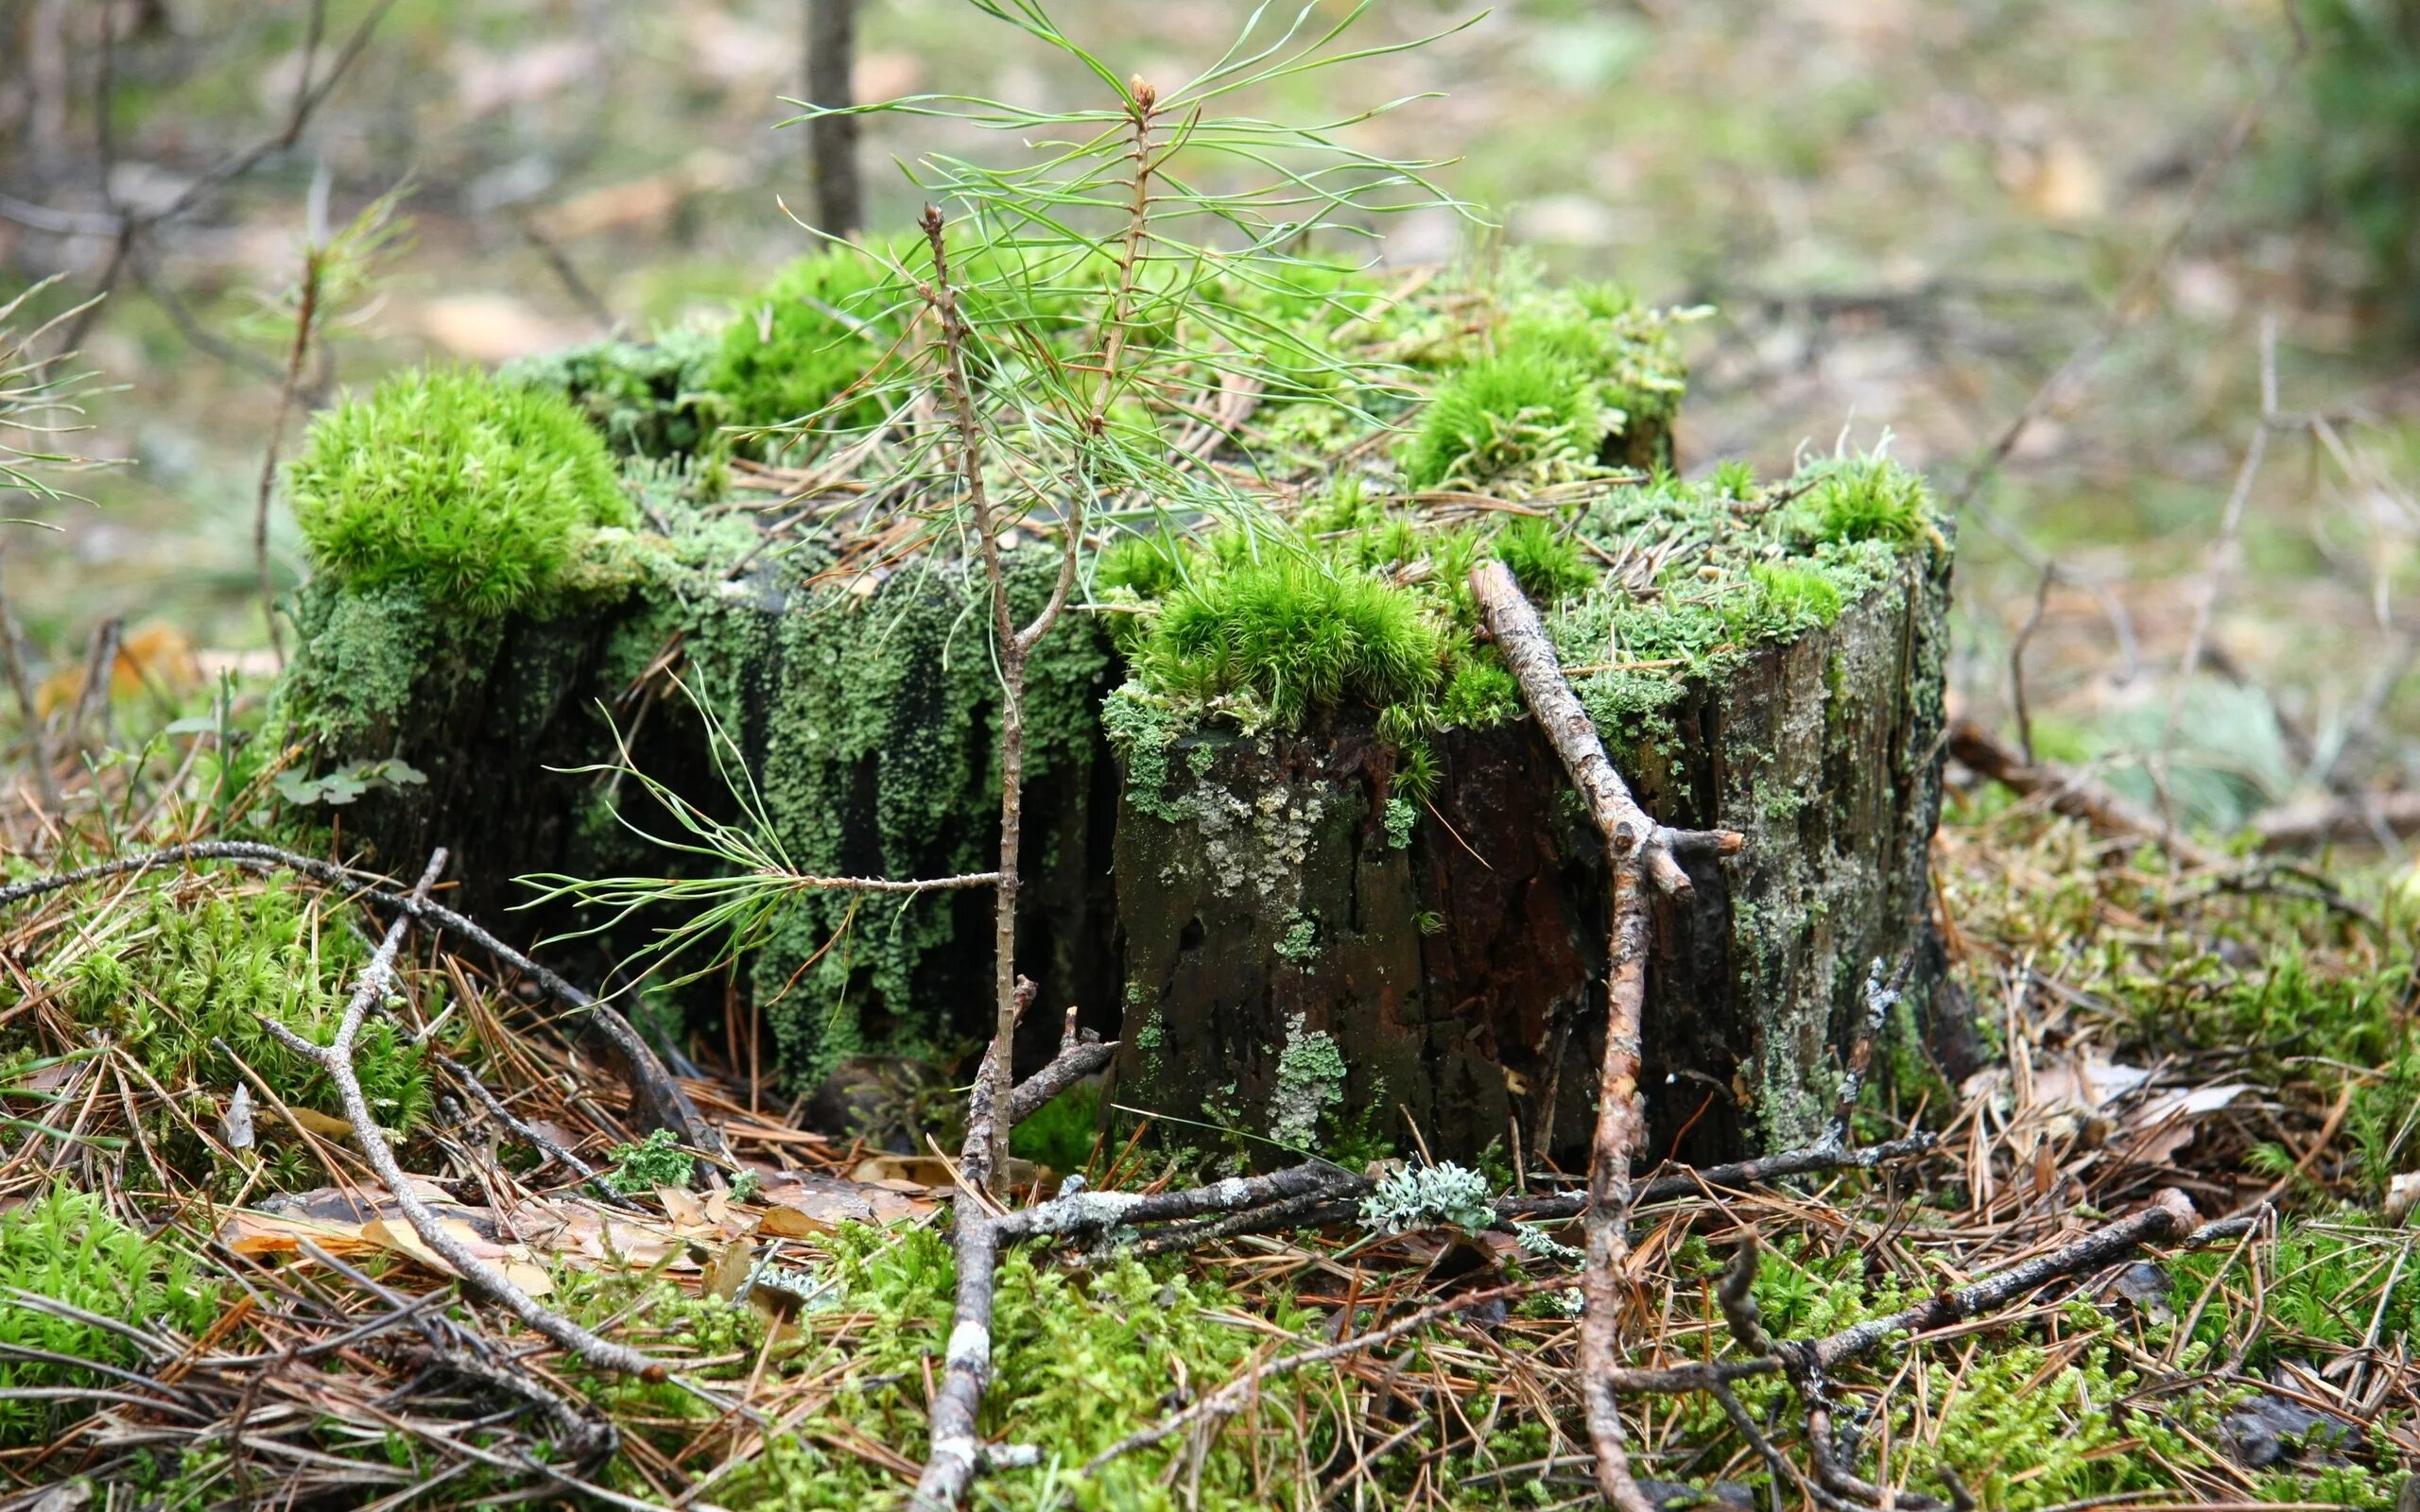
x: 1291, y: 633
x: 1081, y: 1359
x: 800, y: 351
x: 1548, y: 564
x: 362, y: 652
x: 651, y: 400
x: 1141, y: 730
x: 1061, y: 1132
x: 175, y: 975
x: 1525, y: 410
x: 868, y: 724
x: 472, y: 492
x: 64, y: 1245
x: 1869, y: 498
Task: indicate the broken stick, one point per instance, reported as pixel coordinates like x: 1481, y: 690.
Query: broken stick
x: 1640, y: 850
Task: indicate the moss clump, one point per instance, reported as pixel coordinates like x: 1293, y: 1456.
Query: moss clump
x: 469, y: 490
x: 1547, y: 563
x: 1291, y: 633
x: 174, y: 976
x: 64, y: 1245
x: 1080, y: 1360
x: 1868, y: 498
x: 800, y: 350
x: 1581, y: 378
x: 649, y: 400
x: 1524, y: 410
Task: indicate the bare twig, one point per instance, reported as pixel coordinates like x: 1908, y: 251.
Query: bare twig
x: 1634, y: 846
x: 336, y: 1057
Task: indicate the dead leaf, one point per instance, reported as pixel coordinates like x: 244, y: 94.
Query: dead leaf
x: 238, y: 1124
x: 2402, y: 1195
x: 806, y: 1203
x: 322, y: 1123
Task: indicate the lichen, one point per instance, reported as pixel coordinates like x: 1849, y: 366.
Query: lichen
x: 1429, y: 1197
x: 1300, y: 942
x: 1310, y: 1081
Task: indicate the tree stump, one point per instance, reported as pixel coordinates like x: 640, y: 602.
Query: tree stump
x: 1298, y: 974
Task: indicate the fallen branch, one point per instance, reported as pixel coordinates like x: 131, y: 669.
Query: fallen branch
x: 2357, y: 817
x: 378, y: 980
x: 2074, y: 793
x: 2169, y: 1215
x: 1638, y: 850
x: 957, y: 1447
x: 656, y: 1099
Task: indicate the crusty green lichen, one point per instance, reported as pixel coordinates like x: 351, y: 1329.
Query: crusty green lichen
x: 1310, y: 1081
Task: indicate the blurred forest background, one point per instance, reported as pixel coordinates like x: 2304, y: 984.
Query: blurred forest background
x: 2138, y: 284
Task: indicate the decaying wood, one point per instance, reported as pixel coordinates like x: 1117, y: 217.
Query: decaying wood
x: 378, y: 980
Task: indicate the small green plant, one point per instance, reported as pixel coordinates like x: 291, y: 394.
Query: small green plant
x: 1547, y: 563
x: 1867, y: 498
x: 2359, y: 167
x: 64, y: 1245
x: 1292, y: 633
x: 470, y: 491
x: 1525, y: 408
x: 657, y: 1160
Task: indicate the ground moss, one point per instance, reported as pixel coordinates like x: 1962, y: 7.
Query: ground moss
x: 179, y: 979
x: 1081, y: 1359
x: 64, y: 1245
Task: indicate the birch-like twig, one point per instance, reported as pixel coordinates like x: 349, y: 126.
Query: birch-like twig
x: 378, y: 980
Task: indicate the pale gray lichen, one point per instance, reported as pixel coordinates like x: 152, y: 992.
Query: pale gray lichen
x: 1311, y: 1080
x: 1302, y: 938
x: 1429, y: 1197
x: 1537, y: 1241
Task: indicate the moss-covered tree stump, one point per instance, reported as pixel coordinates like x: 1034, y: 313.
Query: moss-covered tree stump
x: 1313, y: 961
x: 1333, y: 891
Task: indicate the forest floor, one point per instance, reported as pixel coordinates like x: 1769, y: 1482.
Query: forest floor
x: 216, y: 1303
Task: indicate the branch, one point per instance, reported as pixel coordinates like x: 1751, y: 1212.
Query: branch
x: 2071, y: 793
x: 1636, y: 851
x: 378, y: 980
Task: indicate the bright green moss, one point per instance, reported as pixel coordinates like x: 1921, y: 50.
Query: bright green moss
x: 1868, y: 498
x: 657, y: 1160
x: 178, y: 975
x: 1291, y: 633
x: 1548, y: 564
x: 800, y: 350
x: 1082, y: 1358
x: 65, y: 1245
x: 1525, y: 408
x: 472, y: 492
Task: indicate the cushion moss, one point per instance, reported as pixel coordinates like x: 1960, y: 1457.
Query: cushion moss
x: 470, y: 491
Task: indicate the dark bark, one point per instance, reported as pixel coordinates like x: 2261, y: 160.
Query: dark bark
x: 832, y: 140
x: 1463, y: 979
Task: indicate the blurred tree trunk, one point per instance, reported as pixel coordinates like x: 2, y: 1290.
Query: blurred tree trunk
x: 831, y: 142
